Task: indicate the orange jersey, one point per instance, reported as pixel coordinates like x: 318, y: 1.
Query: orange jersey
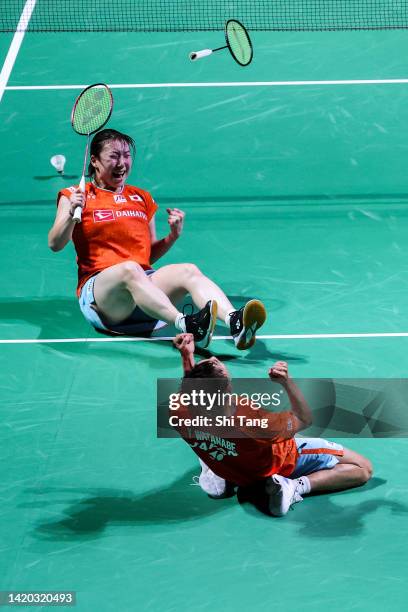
x: 114, y: 228
x: 249, y: 457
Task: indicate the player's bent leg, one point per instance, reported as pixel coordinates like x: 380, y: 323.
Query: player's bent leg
x: 126, y: 302
x: 352, y: 470
x: 176, y: 280
x: 329, y: 466
x: 321, y: 466
x: 122, y: 287
x: 342, y: 476
x: 365, y: 466
x: 351, y: 456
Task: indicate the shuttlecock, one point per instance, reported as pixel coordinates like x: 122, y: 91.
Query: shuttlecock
x: 58, y: 161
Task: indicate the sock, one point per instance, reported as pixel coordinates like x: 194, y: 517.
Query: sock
x: 303, y: 486
x: 228, y: 316
x: 180, y: 323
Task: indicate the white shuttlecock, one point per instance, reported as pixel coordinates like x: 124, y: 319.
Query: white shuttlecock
x: 58, y: 161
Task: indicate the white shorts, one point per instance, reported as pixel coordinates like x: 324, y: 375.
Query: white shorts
x: 137, y: 323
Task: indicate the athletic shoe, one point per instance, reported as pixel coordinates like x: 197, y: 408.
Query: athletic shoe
x: 201, y: 324
x: 212, y: 484
x: 282, y: 494
x: 244, y: 323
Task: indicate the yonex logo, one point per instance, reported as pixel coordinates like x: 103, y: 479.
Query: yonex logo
x: 103, y: 215
x: 119, y: 199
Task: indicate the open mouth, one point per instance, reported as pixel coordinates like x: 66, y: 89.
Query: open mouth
x: 118, y: 175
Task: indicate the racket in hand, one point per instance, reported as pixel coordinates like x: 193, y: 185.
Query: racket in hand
x: 238, y: 43
x: 91, y: 111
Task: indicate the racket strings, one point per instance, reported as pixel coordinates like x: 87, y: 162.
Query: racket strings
x: 239, y: 42
x: 92, y: 110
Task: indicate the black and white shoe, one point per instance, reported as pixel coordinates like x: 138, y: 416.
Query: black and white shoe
x: 201, y: 324
x: 245, y: 322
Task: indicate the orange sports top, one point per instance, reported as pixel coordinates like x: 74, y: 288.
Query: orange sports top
x: 244, y: 454
x: 114, y: 228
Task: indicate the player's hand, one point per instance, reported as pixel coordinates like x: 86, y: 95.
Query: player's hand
x: 184, y: 343
x: 279, y: 372
x: 77, y: 198
x: 176, y: 221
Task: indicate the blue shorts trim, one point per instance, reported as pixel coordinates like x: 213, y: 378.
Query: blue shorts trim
x: 325, y: 456
x: 138, y: 322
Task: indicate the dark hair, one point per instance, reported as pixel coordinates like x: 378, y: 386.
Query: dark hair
x: 200, y: 375
x: 104, y: 136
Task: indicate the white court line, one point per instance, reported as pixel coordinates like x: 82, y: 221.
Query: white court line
x: 167, y: 338
x: 15, y: 45
x: 220, y: 84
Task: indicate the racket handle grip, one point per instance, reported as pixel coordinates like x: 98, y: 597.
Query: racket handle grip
x: 78, y: 211
x: 77, y: 216
x: 195, y: 55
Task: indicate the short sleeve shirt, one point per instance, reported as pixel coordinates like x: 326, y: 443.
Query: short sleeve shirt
x: 249, y: 457
x: 114, y: 229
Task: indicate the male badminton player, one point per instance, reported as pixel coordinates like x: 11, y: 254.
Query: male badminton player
x: 281, y: 466
x: 116, y: 244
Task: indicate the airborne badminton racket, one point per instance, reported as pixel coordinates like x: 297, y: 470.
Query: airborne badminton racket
x: 238, y: 43
x: 91, y: 111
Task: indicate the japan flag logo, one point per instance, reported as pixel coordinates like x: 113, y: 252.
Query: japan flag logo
x: 103, y: 215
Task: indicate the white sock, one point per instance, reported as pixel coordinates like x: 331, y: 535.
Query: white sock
x: 228, y: 316
x: 303, y: 485
x: 180, y: 323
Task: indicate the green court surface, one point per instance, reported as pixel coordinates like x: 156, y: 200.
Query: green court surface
x: 294, y: 194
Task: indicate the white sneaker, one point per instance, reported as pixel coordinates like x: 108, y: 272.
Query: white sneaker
x: 212, y: 484
x: 282, y: 494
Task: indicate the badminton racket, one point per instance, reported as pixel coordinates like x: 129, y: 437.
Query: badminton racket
x: 90, y: 112
x: 238, y: 43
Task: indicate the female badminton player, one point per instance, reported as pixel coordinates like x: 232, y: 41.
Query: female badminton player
x: 116, y: 244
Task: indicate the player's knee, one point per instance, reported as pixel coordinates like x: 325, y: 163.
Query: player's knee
x: 191, y: 270
x: 363, y: 476
x: 131, y: 272
x: 368, y: 469
x: 365, y: 471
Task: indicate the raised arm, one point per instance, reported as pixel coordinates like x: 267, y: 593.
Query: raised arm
x: 185, y: 344
x: 300, y: 408
x: 160, y: 247
x: 61, y: 232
